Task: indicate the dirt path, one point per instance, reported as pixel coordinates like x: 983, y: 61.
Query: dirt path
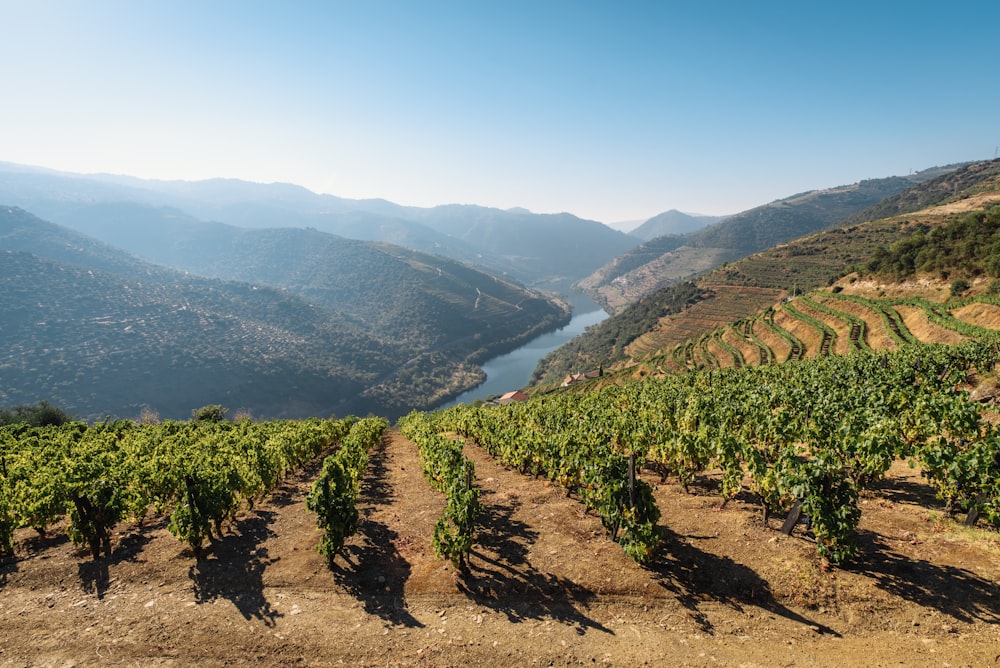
x: 546, y: 587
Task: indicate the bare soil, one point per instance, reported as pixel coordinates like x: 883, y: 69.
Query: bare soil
x: 546, y: 586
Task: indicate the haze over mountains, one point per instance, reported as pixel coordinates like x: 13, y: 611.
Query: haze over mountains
x: 549, y: 251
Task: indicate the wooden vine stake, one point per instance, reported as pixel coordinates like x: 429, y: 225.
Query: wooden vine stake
x: 631, y: 480
x: 794, y: 515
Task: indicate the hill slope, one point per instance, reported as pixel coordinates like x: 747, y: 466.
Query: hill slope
x: 98, y: 343
x: 644, y: 270
x: 372, y: 328
x: 672, y: 222
x: 742, y: 288
x: 394, y: 294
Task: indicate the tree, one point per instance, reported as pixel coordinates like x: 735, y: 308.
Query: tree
x: 43, y: 414
x: 210, y: 413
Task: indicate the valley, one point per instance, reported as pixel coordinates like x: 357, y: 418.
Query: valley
x: 849, y: 375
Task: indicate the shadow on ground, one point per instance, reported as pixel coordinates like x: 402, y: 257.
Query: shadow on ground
x: 95, y: 574
x: 905, y: 491
x: 234, y: 569
x: 956, y: 592
x: 501, y: 577
x: 375, y: 572
x: 694, y: 576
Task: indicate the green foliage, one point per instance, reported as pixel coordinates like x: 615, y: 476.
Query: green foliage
x: 578, y: 442
x: 197, y: 472
x: 969, y: 246
x: 43, y: 414
x: 209, y: 413
x: 333, y: 499
x: 816, y: 432
x: 334, y: 495
x: 450, y: 472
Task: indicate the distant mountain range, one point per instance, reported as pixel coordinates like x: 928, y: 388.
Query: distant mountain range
x: 548, y: 251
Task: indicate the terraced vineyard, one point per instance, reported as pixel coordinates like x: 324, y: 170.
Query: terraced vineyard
x: 826, y: 322
x: 727, y: 304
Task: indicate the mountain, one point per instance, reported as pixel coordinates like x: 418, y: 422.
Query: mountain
x: 738, y: 236
x: 529, y: 248
x: 98, y: 332
x: 737, y: 290
x: 367, y: 326
x: 426, y: 301
x: 672, y: 222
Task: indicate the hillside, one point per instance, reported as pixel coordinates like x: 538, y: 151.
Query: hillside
x: 628, y: 277
x: 414, y: 299
x: 740, y: 289
x: 368, y: 327
x: 529, y: 248
x: 672, y: 223
x: 98, y: 343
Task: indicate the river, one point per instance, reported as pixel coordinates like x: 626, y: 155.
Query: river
x: 513, y: 370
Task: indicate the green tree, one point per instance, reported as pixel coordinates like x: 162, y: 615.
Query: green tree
x: 43, y: 414
x: 210, y: 413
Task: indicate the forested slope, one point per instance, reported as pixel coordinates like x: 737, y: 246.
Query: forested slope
x: 368, y: 327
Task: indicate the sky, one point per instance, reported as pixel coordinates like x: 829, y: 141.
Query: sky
x: 612, y: 111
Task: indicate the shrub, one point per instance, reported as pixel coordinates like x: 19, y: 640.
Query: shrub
x: 209, y: 413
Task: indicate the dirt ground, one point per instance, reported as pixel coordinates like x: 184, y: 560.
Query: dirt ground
x: 547, y: 587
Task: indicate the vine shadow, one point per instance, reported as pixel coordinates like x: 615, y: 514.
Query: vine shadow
x: 906, y: 491
x: 95, y: 576
x: 234, y: 570
x: 694, y: 576
x: 956, y: 592
x: 375, y: 572
x: 509, y: 584
x: 8, y: 565
x: 285, y: 494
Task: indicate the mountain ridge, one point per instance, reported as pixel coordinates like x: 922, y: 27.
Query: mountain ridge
x: 625, y: 278
x: 525, y: 246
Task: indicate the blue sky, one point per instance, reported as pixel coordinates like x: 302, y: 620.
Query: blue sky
x: 609, y: 110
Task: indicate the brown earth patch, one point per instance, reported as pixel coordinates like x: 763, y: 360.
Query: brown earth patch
x: 804, y: 332
x: 983, y: 315
x: 876, y: 334
x: 915, y: 319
